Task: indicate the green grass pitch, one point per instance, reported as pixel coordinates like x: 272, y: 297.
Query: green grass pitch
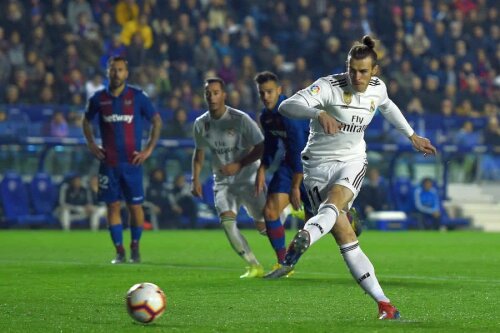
x: 53, y: 281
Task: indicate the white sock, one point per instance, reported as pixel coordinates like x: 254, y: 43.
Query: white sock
x: 322, y: 223
x: 362, y: 270
x: 238, y: 241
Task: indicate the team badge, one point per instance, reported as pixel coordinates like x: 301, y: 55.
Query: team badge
x: 231, y: 132
x: 314, y: 89
x: 372, y: 106
x: 347, y: 97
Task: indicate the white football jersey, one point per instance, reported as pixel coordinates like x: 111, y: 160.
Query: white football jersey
x: 335, y: 95
x: 229, y: 139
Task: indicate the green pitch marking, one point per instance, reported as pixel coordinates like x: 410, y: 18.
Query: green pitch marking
x: 52, y: 281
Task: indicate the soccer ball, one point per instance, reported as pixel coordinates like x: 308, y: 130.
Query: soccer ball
x: 145, y: 302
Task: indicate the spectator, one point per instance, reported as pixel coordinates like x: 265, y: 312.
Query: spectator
x: 205, y: 55
x: 374, y: 194
x: 75, y: 9
x: 180, y: 128
x: 58, y: 126
x: 93, y: 84
x: 134, y: 27
x: 182, y: 202
x: 125, y: 11
x: 428, y: 205
x: 75, y: 203
x: 226, y: 71
x: 157, y: 202
x: 417, y: 42
x: 431, y: 98
x: 490, y: 163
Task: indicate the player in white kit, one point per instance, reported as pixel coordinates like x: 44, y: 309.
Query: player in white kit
x: 341, y: 106
x: 236, y: 144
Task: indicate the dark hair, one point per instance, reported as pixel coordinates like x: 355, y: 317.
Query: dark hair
x: 364, y: 49
x: 112, y: 59
x: 265, y: 76
x: 216, y: 80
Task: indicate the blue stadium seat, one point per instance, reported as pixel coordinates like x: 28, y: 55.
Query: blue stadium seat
x: 402, y: 194
x: 44, y: 195
x: 15, y: 202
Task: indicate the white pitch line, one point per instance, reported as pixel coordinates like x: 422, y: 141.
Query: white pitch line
x: 456, y: 278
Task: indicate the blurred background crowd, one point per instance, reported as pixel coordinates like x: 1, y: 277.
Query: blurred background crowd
x: 437, y: 57
x: 440, y: 60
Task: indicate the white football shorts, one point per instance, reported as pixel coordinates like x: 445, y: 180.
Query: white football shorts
x: 320, y: 175
x: 229, y: 197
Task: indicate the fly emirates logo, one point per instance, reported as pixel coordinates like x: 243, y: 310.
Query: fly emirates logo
x: 116, y: 118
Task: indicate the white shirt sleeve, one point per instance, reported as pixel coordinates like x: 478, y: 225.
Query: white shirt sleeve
x: 393, y: 114
x: 252, y: 135
x: 199, y: 140
x: 307, y: 103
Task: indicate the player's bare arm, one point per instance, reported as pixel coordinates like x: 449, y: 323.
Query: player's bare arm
x: 233, y: 168
x: 96, y: 150
x: 295, y: 190
x: 260, y: 180
x: 422, y: 144
x: 140, y: 157
x: 197, y: 165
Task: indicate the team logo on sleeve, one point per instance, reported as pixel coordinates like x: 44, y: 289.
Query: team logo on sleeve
x: 314, y: 89
x: 347, y: 97
x: 372, y: 106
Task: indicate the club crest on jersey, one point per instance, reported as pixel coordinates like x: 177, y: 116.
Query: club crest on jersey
x: 314, y: 89
x: 372, y: 106
x: 231, y: 132
x: 347, y: 97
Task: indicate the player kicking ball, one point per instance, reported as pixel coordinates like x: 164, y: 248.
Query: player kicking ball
x: 341, y: 106
x: 286, y: 187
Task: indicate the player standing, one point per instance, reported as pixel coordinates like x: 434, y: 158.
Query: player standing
x: 122, y: 110
x: 341, y: 106
x: 236, y: 144
x: 286, y: 184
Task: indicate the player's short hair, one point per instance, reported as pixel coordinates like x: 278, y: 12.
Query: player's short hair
x: 113, y: 59
x: 265, y: 76
x: 216, y: 80
x: 363, y: 50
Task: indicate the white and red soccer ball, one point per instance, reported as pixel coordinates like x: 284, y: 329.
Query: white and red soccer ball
x: 145, y: 302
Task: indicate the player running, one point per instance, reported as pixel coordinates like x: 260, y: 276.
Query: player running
x: 341, y: 106
x: 236, y: 144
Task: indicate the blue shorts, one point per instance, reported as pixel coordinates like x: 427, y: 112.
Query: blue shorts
x: 282, y: 183
x: 123, y: 182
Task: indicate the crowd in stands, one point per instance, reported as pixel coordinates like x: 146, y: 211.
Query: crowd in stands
x: 437, y: 57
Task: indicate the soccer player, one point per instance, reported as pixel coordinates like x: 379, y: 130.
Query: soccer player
x: 122, y: 110
x: 341, y: 106
x: 286, y: 185
x: 236, y: 144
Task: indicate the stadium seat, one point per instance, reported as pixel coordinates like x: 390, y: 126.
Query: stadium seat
x: 15, y: 202
x: 402, y: 194
x: 43, y: 194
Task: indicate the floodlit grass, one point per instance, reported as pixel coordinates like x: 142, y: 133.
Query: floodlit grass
x: 52, y: 281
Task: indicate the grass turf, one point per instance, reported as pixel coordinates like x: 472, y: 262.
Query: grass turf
x: 52, y: 281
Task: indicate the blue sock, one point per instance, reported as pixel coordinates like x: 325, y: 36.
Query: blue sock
x: 136, y: 233
x: 116, y: 232
x: 276, y: 234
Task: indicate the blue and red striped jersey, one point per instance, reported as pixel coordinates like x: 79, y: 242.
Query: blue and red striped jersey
x: 292, y: 132
x: 121, y: 121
